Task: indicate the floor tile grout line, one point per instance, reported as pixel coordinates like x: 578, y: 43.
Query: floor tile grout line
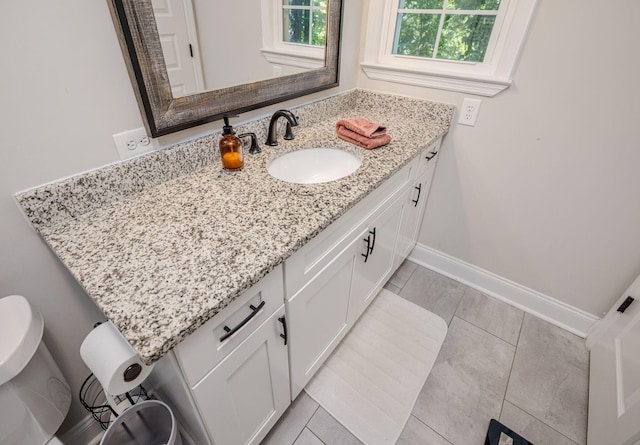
x: 487, y: 332
x: 464, y: 291
x: 509, y: 381
x: 306, y: 425
x: 314, y: 434
x: 409, y: 277
x: 541, y: 421
x: 513, y: 362
x: 428, y: 426
x: 484, y: 330
x: 520, y: 330
x: 480, y: 327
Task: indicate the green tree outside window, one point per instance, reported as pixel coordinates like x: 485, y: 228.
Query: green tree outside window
x: 304, y: 21
x: 445, y: 29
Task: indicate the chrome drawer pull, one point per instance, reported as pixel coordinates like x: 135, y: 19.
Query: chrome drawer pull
x: 230, y: 332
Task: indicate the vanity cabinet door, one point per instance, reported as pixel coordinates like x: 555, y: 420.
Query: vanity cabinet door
x: 318, y: 316
x: 414, y: 204
x: 199, y: 353
x: 245, y: 394
x: 376, y: 258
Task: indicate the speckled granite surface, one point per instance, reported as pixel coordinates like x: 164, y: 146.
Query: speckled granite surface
x: 163, y: 242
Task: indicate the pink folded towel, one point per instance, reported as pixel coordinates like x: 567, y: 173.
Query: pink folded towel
x: 362, y: 132
x: 362, y: 141
x: 362, y: 126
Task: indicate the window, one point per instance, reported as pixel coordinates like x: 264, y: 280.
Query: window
x: 294, y: 32
x: 461, y: 45
x: 449, y: 29
x: 304, y: 21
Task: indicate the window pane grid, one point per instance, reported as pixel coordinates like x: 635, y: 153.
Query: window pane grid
x: 463, y: 34
x: 313, y: 18
x: 439, y: 35
x: 447, y: 11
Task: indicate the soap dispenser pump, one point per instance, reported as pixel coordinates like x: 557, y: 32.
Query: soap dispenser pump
x: 230, y: 148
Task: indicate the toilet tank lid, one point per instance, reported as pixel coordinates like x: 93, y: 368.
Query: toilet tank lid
x: 21, y: 327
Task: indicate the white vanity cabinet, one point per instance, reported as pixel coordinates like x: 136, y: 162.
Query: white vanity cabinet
x: 328, y: 305
x: 376, y: 265
x: 331, y: 280
x: 414, y: 203
x: 243, y: 397
x: 235, y: 368
x: 319, y: 315
x: 234, y: 383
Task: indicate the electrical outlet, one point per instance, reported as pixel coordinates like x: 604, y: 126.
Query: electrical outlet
x: 469, y: 111
x: 134, y: 143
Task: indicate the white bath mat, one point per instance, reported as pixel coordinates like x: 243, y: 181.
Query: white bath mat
x: 372, y: 380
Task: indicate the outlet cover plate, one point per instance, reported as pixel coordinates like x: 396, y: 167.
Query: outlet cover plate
x: 469, y: 111
x: 134, y: 143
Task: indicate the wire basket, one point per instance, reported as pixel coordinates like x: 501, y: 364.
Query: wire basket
x: 93, y: 398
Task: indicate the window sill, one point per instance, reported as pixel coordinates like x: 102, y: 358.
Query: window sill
x: 292, y: 58
x: 480, y: 86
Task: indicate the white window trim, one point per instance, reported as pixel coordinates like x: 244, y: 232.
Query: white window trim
x: 483, y: 79
x: 279, y: 52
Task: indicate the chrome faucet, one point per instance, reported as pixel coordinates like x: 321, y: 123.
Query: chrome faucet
x: 292, y: 121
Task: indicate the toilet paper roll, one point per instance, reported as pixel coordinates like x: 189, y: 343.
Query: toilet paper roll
x: 112, y: 360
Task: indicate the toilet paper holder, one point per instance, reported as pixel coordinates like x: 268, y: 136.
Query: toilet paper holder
x: 105, y: 408
x: 117, y: 373
x: 112, y: 360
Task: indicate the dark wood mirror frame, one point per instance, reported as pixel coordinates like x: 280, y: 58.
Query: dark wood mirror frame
x: 164, y: 114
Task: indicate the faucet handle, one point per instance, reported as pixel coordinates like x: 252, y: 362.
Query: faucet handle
x: 255, y: 148
x: 288, y: 135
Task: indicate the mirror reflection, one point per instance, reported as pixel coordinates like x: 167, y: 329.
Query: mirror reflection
x: 295, y: 35
x: 209, y: 45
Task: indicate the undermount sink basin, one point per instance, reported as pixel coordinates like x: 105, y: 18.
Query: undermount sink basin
x: 314, y: 165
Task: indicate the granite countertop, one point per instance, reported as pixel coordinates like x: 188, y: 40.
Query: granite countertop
x: 164, y: 242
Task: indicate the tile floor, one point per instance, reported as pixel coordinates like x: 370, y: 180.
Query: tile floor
x: 496, y: 362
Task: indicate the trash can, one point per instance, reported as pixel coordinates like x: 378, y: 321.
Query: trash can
x: 150, y: 422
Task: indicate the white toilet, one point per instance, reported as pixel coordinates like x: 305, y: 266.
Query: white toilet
x: 34, y: 396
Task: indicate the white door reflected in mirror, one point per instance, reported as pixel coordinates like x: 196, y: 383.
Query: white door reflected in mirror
x: 208, y: 46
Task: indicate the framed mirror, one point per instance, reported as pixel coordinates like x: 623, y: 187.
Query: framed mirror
x: 167, y: 109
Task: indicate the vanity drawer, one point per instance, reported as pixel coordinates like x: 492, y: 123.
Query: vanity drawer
x: 312, y: 258
x: 428, y: 158
x: 204, y: 349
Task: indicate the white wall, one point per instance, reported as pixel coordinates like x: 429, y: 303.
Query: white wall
x: 543, y: 191
x: 230, y: 43
x: 64, y: 92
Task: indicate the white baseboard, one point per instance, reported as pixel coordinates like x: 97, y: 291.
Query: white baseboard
x: 85, y: 432
x: 543, y: 306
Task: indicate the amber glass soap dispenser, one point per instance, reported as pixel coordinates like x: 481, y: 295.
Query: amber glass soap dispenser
x: 230, y: 148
